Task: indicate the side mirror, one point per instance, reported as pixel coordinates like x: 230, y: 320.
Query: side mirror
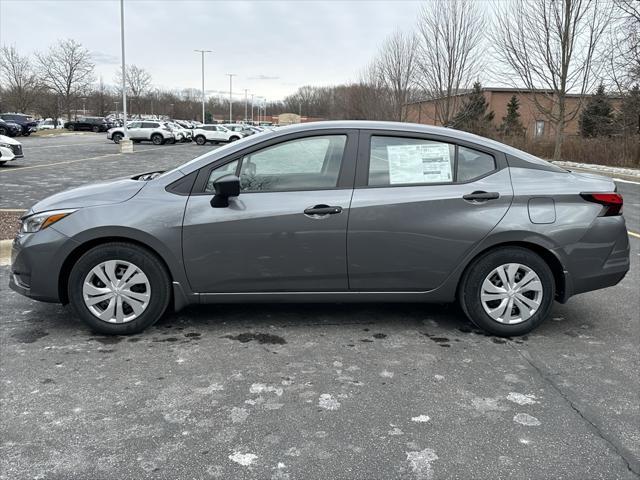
x: 225, y: 187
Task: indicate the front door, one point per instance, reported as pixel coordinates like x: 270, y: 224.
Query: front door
x: 420, y: 204
x: 286, y: 231
x: 135, y: 131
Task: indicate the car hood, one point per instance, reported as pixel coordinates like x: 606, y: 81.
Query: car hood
x: 94, y: 194
x: 9, y: 140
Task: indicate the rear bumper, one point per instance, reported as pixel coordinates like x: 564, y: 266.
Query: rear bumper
x: 599, y: 260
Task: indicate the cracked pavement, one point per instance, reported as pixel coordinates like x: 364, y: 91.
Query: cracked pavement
x: 318, y: 391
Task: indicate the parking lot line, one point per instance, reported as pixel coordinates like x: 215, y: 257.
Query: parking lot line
x: 65, y: 145
x: 633, y: 234
x: 22, y: 169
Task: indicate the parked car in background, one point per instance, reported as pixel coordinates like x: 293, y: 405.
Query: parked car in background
x: 10, y: 149
x: 10, y: 129
x: 246, y: 130
x: 215, y: 134
x: 182, y: 134
x: 93, y: 124
x: 156, y: 132
x: 26, y: 122
x: 330, y: 212
x: 50, y: 124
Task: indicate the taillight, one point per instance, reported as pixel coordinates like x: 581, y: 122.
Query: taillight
x: 611, y: 201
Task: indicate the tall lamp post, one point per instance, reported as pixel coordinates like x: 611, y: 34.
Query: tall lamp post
x: 231, y: 75
x: 125, y: 144
x: 202, y: 52
x: 245, y: 105
x: 252, y: 108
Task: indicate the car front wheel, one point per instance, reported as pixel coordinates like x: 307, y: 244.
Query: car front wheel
x: 200, y: 140
x: 96, y: 129
x: 117, y: 137
x: 119, y: 288
x: 508, y: 291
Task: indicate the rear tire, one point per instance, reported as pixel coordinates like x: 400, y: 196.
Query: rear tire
x: 134, y: 314
x: 96, y: 129
x: 513, y: 307
x: 71, y: 127
x: 3, y: 131
x: 157, y: 139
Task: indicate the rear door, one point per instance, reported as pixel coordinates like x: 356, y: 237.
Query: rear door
x: 420, y: 204
x: 287, y: 230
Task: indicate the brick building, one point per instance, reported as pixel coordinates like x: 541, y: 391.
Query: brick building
x: 535, y: 123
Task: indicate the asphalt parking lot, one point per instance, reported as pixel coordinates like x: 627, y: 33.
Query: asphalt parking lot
x: 309, y: 391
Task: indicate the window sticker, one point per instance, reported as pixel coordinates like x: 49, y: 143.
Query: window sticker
x: 423, y: 163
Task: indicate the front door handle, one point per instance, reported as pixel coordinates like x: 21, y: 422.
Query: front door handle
x: 322, y: 210
x: 480, y: 196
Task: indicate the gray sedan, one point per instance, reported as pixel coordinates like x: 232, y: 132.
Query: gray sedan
x: 329, y: 212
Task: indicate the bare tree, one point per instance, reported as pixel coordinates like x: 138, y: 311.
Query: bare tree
x: 550, y: 46
x: 138, y: 82
x: 623, y: 48
x: 67, y: 70
x: 396, y: 69
x: 451, y: 34
x: 20, y: 82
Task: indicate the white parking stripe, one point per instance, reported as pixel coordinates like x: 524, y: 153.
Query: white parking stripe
x: 625, y: 181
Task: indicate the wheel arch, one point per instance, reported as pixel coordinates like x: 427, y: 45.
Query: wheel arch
x: 549, y: 257
x: 81, y: 249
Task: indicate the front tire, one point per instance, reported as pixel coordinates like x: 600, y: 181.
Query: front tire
x: 508, y: 291
x: 119, y: 288
x: 201, y: 140
x: 96, y: 129
x: 233, y: 138
x: 117, y: 137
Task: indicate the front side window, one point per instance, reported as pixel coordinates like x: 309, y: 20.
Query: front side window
x: 302, y: 164
x: 410, y: 161
x: 226, y: 169
x: 135, y: 125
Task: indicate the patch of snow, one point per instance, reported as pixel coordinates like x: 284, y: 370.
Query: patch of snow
x: 421, y: 418
x: 420, y: 463
x: 526, y: 420
x: 244, y: 459
x: 327, y: 402
x: 522, y: 398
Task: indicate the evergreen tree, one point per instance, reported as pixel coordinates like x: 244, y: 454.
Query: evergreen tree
x: 630, y: 112
x: 473, y: 116
x: 596, y: 119
x: 511, y: 125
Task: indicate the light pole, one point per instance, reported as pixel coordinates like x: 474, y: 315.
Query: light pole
x: 202, y: 52
x: 245, y: 105
x: 252, y: 108
x: 124, y: 76
x: 231, y: 75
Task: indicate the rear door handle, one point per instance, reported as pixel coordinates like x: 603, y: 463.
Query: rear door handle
x: 480, y: 196
x: 322, y: 210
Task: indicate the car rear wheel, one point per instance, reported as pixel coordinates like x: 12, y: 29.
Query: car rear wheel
x: 3, y: 131
x: 200, y: 140
x: 96, y: 129
x: 157, y: 139
x: 71, y: 127
x: 117, y: 137
x: 119, y: 288
x: 508, y: 292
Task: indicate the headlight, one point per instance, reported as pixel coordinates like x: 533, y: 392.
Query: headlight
x: 40, y: 221
x: 5, y: 145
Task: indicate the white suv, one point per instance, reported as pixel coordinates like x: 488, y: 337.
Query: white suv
x: 139, y: 130
x: 215, y: 134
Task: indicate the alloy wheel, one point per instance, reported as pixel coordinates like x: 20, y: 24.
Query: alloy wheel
x: 116, y: 291
x: 511, y: 293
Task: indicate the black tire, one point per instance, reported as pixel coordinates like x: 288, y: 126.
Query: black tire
x: 3, y: 131
x: 117, y: 137
x: 157, y: 139
x: 71, y: 127
x: 95, y: 129
x: 2, y: 163
x: 147, y: 262
x: 201, y: 140
x: 471, y: 287
x: 234, y: 138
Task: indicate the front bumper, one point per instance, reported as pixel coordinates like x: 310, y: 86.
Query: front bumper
x: 36, y: 263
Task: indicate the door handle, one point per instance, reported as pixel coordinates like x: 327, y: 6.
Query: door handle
x: 480, y: 196
x: 322, y: 210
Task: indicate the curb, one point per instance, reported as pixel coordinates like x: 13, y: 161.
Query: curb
x: 5, y: 252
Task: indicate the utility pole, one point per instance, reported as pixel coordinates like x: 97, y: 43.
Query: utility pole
x: 231, y: 75
x: 252, y: 108
x: 245, y: 105
x: 202, y: 52
x: 124, y: 75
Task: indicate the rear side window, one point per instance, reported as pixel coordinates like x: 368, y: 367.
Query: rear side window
x: 303, y: 164
x: 473, y: 164
x: 149, y: 125
x: 410, y: 161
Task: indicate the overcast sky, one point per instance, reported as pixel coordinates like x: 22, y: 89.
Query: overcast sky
x: 274, y: 47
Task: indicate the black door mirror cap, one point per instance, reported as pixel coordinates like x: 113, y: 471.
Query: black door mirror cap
x: 225, y: 187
